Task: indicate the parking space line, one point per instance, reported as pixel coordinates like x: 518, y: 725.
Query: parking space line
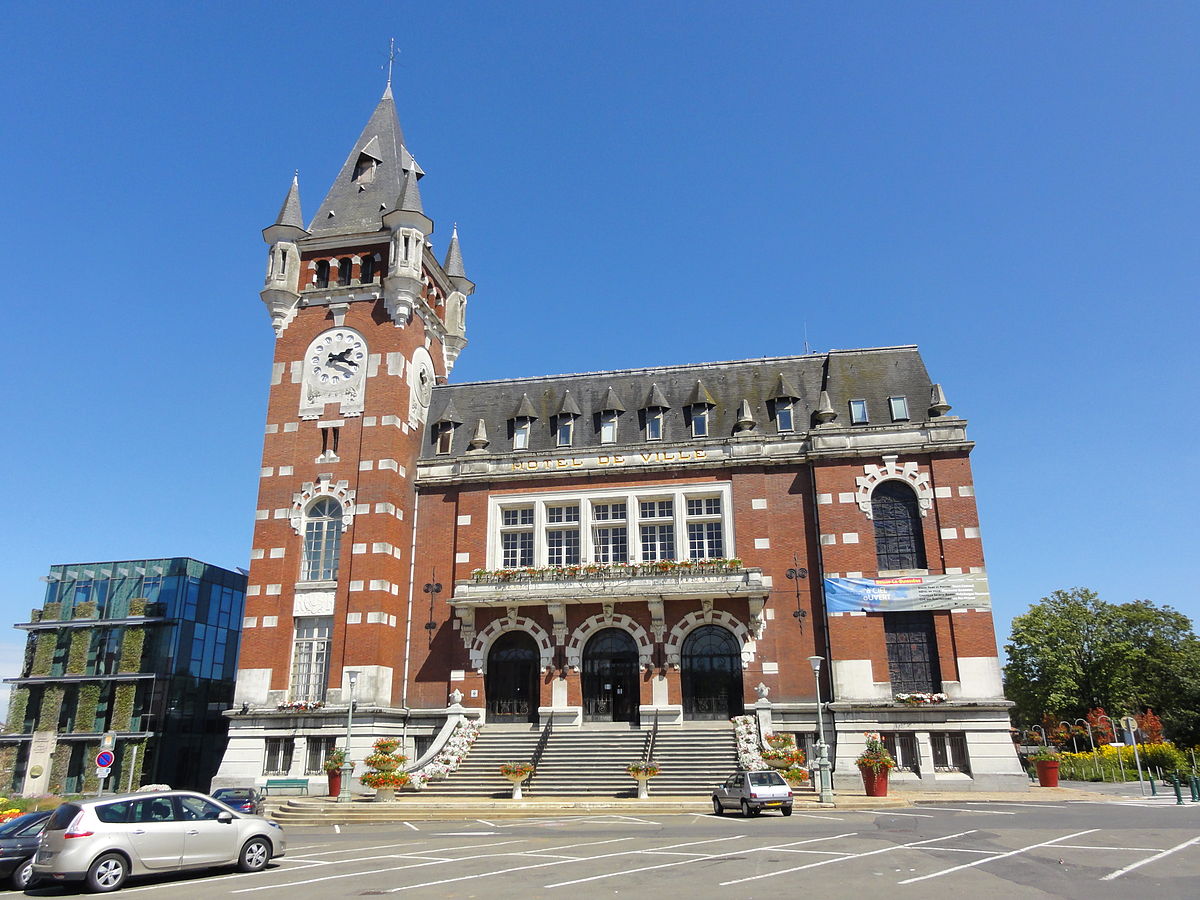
x: 980, y: 862
x: 888, y: 812
x: 457, y: 859
x: 1149, y: 859
x: 412, y: 826
x: 986, y: 812
x: 356, y: 849
x: 851, y: 856
x: 702, y: 858
x: 1130, y: 849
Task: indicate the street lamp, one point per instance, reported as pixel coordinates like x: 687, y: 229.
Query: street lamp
x: 348, y: 766
x: 1070, y: 734
x: 1092, y: 741
x: 822, y: 748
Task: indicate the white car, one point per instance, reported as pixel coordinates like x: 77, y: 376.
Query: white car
x: 103, y: 842
x: 752, y: 792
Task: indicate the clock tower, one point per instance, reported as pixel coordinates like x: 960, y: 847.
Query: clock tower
x: 366, y: 321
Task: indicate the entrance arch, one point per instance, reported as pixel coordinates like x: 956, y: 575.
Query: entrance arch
x: 511, y: 683
x: 710, y: 669
x: 610, y: 677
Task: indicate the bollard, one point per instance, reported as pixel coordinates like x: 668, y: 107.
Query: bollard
x: 1174, y: 780
x: 1194, y: 784
x: 1153, y: 787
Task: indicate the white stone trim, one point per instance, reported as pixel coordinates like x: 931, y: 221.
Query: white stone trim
x: 910, y: 473
x: 694, y: 620
x: 323, y: 487
x: 483, y: 641
x: 608, y: 620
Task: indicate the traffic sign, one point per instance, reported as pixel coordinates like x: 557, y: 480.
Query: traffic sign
x: 105, y: 759
x: 102, y: 772
x: 108, y: 741
x: 1129, y: 723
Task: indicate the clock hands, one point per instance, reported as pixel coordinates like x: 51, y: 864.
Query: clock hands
x: 343, y: 357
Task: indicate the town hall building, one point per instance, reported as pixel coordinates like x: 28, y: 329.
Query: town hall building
x: 659, y: 548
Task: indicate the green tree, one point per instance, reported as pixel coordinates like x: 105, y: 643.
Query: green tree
x: 1073, y: 652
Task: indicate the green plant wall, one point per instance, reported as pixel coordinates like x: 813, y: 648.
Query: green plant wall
x: 85, y: 707
x: 91, y: 783
x: 52, y: 701
x: 17, y: 704
x: 43, y: 654
x: 58, y: 767
x: 131, y: 650
x: 78, y: 653
x: 128, y: 762
x: 123, y: 706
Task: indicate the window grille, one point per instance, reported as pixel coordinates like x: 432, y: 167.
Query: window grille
x: 310, y: 658
x: 912, y: 652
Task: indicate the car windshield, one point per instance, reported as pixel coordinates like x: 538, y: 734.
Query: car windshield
x: 766, y: 779
x: 15, y: 827
x: 232, y: 794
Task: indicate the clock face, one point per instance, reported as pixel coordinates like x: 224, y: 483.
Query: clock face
x: 337, y: 359
x: 423, y: 384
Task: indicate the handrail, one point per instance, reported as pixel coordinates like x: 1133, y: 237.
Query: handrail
x: 651, y: 738
x: 540, y: 749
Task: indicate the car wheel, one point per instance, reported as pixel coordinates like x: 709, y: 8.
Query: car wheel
x: 22, y: 876
x: 746, y: 811
x: 786, y: 810
x: 107, y: 873
x: 255, y: 855
x: 718, y: 809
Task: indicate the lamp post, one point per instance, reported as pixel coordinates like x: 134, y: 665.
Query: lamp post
x: 1092, y: 741
x: 822, y: 748
x: 348, y: 766
x: 1074, y: 744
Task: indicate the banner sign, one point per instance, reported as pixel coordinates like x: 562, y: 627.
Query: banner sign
x: 906, y: 593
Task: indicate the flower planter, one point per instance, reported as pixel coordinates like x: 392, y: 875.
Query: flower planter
x: 874, y: 783
x: 778, y: 763
x: 385, y: 794
x: 1047, y: 772
x: 643, y: 786
x: 335, y: 783
x: 516, y: 778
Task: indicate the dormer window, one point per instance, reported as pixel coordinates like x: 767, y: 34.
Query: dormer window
x: 699, y: 420
x: 608, y: 426
x: 521, y: 430
x: 321, y: 279
x: 783, y: 414
x: 654, y: 424
x: 858, y: 412
x: 899, y: 408
x: 445, y: 436
x: 565, y: 432
x: 364, y: 169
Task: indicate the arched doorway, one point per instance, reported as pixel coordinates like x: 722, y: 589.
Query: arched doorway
x: 610, y: 677
x: 710, y: 668
x: 512, y: 678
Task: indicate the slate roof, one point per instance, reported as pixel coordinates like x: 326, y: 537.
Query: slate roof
x: 873, y: 375
x: 351, y: 207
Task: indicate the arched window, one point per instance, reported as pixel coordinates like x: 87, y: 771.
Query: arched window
x: 366, y: 271
x: 322, y: 280
x: 344, y: 267
x: 899, y: 541
x: 322, y: 540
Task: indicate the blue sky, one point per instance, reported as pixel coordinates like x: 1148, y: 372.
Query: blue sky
x: 1011, y: 186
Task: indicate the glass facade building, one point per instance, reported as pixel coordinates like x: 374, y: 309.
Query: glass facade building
x: 142, y: 649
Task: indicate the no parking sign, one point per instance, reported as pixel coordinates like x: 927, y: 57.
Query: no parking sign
x: 105, y: 759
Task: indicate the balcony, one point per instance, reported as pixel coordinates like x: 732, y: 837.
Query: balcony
x: 598, y: 583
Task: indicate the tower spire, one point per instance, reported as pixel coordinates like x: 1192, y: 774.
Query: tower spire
x: 387, y: 91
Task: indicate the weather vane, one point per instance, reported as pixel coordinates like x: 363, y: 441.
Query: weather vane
x: 391, y: 59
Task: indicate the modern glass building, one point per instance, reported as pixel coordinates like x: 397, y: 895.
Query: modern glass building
x: 143, y: 650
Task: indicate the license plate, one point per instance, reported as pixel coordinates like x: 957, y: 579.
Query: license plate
x: 774, y: 803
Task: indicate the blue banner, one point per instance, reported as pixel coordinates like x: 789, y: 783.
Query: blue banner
x: 906, y: 593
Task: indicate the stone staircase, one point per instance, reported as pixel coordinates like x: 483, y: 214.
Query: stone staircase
x: 591, y: 762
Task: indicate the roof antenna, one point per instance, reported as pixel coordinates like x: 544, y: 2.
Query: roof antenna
x: 391, y: 59
x: 806, y: 350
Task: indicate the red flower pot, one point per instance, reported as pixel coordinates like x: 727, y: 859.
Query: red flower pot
x: 1047, y: 772
x: 335, y: 783
x: 875, y: 783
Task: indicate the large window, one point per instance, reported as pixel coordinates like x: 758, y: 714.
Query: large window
x: 611, y: 526
x: 278, y: 760
x: 950, y: 751
x: 322, y: 540
x: 899, y: 540
x: 318, y: 750
x: 310, y: 658
x: 912, y: 652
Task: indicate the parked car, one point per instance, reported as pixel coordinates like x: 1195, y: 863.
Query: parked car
x: 752, y: 792
x: 103, y: 842
x: 246, y: 799
x: 18, y: 844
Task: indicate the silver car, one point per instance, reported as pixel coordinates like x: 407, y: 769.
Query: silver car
x: 752, y: 792
x: 103, y: 842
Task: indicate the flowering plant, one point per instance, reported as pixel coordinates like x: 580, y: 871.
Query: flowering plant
x: 795, y: 775
x: 385, y: 779
x: 606, y: 570
x: 516, y: 770
x: 335, y: 760
x: 1044, y: 754
x: 643, y: 769
x: 875, y: 757
x: 447, y: 761
x: 300, y: 706
x: 6, y: 814
x: 745, y: 731
x: 384, y: 762
x: 921, y: 698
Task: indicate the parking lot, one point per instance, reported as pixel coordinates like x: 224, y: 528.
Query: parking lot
x: 1071, y: 849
